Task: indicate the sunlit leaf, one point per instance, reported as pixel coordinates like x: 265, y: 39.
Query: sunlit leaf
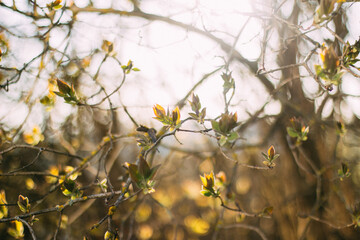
x: 33, y: 137
x: 3, y: 202
x: 18, y: 231
x: 292, y: 132
x: 193, y: 115
x: 23, y: 203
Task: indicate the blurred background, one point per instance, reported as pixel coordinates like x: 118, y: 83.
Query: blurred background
x: 283, y: 59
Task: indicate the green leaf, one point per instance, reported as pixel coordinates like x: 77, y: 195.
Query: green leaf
x: 57, y: 7
x: 68, y: 99
x: 23, y: 203
x: 144, y: 168
x: 351, y: 62
x: 59, y: 94
x: 72, y: 93
x: 193, y: 107
x: 203, y: 113
x: 320, y: 72
x: 215, y: 125
x: 68, y: 187
x: 233, y: 136
x: 276, y: 156
x: 193, y: 115
x: 227, y: 86
x: 222, y: 140
x: 303, y: 138
x: 292, y: 132
x: 153, y: 172
x: 63, y: 87
x: 136, y: 69
x: 134, y: 173
x: 318, y: 69
x: 337, y: 77
x: 206, y: 193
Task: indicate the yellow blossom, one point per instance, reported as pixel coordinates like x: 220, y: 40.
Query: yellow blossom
x: 221, y: 176
x: 34, y: 137
x: 208, y: 180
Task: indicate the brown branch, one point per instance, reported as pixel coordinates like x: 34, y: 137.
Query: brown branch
x: 153, y: 17
x: 45, y: 149
x: 241, y: 225
x: 256, y: 215
x: 243, y: 164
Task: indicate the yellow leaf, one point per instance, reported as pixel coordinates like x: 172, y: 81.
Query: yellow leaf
x: 34, y: 137
x: 54, y: 171
x: 197, y: 225
x: 29, y: 184
x: 176, y: 116
x: 3, y: 209
x: 159, y: 111
x: 19, y: 228
x: 208, y: 180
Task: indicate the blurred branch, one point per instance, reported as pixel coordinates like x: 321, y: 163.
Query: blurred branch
x: 241, y: 225
x: 328, y: 223
x: 260, y: 215
x: 182, y: 102
x: 152, y: 17
x: 58, y: 225
x: 45, y: 149
x: 242, y: 164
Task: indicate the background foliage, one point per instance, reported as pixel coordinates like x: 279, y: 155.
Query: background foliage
x: 111, y: 110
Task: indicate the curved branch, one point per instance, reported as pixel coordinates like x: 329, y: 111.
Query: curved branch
x: 252, y: 66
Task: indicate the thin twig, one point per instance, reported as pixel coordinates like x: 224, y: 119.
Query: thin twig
x: 241, y: 225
